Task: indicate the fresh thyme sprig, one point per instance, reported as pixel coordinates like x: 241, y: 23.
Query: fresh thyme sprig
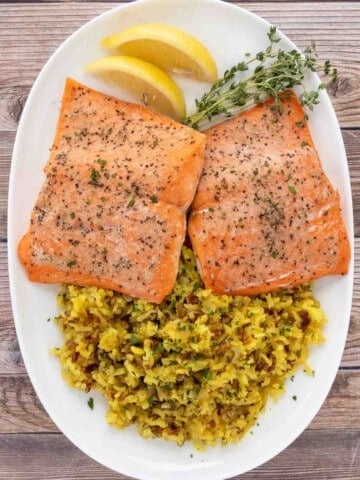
x: 275, y: 71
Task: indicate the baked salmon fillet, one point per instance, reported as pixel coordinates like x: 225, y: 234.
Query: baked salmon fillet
x: 111, y: 211
x: 265, y: 215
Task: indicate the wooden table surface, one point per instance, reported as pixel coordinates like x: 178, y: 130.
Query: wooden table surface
x: 31, y: 447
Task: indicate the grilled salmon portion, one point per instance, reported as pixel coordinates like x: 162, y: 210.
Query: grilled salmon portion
x: 111, y: 211
x: 265, y: 215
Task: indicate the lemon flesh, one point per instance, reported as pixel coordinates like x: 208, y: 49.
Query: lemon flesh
x: 146, y: 82
x: 168, y: 47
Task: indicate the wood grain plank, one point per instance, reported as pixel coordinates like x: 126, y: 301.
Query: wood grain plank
x: 300, y: 21
x: 352, y: 146
x: 6, y: 146
x: 21, y: 409
x: 23, y: 413
x: 340, y: 409
x: 317, y: 454
x: 12, y: 101
x: 6, y: 2
x: 10, y: 356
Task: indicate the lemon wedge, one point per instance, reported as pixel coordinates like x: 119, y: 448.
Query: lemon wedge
x: 149, y: 85
x: 168, y: 47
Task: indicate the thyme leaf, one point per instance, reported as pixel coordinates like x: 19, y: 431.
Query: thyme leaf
x: 271, y: 72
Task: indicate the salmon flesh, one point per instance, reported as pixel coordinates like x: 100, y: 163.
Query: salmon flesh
x: 265, y: 215
x: 111, y: 211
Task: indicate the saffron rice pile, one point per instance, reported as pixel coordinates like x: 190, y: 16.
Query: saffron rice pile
x: 198, y: 367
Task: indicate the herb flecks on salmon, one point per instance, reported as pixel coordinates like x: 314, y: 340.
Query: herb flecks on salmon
x: 265, y: 216
x: 111, y: 212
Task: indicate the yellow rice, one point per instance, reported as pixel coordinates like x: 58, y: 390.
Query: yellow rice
x: 198, y: 367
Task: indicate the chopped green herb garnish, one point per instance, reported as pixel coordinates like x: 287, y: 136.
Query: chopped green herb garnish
x: 131, y: 202
x: 94, y: 176
x: 292, y: 189
x: 90, y: 403
x: 72, y: 214
x: 154, y: 199
x: 304, y: 144
x: 101, y: 162
x: 302, y: 122
x: 208, y: 375
x: 70, y: 264
x: 159, y: 348
x: 294, y: 397
x: 134, y: 340
x: 196, y: 286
